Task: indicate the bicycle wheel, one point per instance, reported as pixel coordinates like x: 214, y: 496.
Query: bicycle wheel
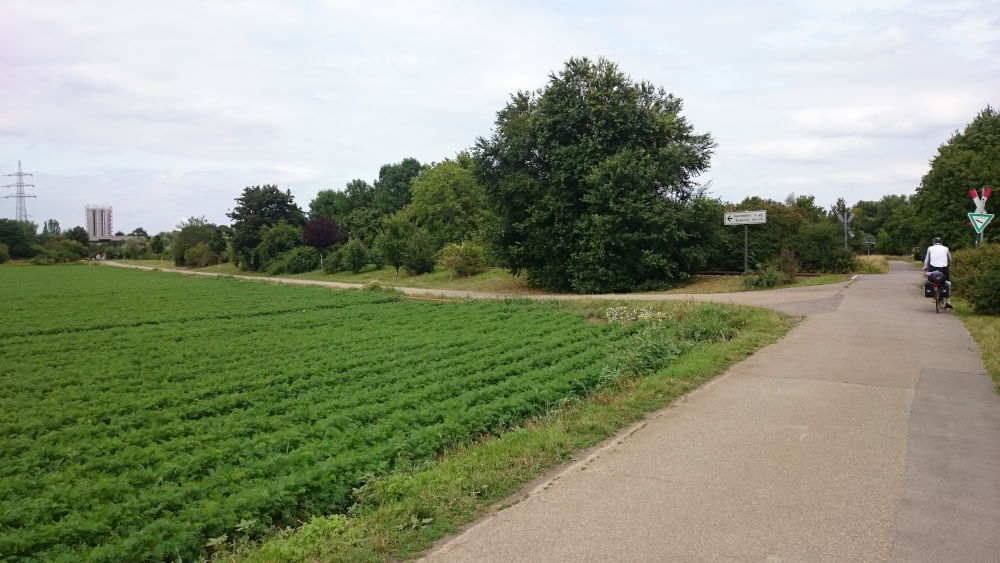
x: 937, y: 300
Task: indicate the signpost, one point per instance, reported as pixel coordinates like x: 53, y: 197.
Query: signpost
x: 846, y: 219
x: 980, y: 218
x: 745, y: 218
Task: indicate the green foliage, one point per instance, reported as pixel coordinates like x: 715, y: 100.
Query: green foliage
x: 50, y: 229
x: 276, y: 240
x: 449, y: 202
x: 65, y: 250
x: 42, y: 260
x: 392, y: 242
x: 19, y: 236
x: 200, y: 255
x: 763, y: 277
x: 4, y: 253
x: 258, y: 208
x: 354, y: 255
x: 788, y: 264
x: 466, y: 259
x: 333, y: 262
x: 298, y: 260
x: 820, y: 248
x: 420, y: 254
x: 156, y: 245
x: 392, y: 189
x: 364, y: 224
x: 969, y: 160
x: 193, y: 231
x: 976, y: 277
x: 79, y: 234
x: 766, y: 241
x: 591, y: 180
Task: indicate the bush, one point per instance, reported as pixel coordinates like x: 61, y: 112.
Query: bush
x: 464, y: 259
x: 296, y: 261
x: 788, y: 264
x: 976, y: 277
x: 4, y: 253
x: 200, y: 255
x: 820, y: 248
x: 354, y: 255
x: 65, y: 250
x: 420, y: 255
x: 42, y: 260
x: 762, y: 277
x: 333, y: 262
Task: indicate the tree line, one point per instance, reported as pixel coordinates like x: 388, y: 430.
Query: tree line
x: 585, y: 185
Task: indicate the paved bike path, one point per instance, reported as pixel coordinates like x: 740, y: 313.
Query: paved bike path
x: 871, y: 432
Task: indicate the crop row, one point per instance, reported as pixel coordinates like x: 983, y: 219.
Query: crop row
x: 93, y: 297
x: 140, y: 441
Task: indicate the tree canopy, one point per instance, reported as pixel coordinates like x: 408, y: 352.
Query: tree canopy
x: 969, y: 160
x: 591, y: 178
x: 449, y: 202
x: 257, y: 208
x: 392, y: 189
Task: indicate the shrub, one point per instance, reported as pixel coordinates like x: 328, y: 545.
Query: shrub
x: 354, y: 255
x: 65, y: 250
x: 4, y: 253
x: 333, y: 262
x: 464, y: 259
x: 820, y: 248
x: 200, y: 255
x: 42, y: 260
x: 762, y: 277
x: 976, y: 275
x: 295, y: 261
x: 420, y: 254
x: 788, y: 264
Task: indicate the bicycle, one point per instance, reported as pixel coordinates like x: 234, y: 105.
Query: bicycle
x: 937, y: 289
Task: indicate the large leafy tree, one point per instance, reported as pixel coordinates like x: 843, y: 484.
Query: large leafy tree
x: 191, y: 232
x: 392, y: 189
x: 258, y: 208
x: 969, y: 160
x: 20, y: 238
x: 449, y: 202
x: 321, y: 233
x: 592, y: 178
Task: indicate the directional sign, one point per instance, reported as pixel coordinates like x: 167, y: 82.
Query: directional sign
x: 980, y: 220
x: 745, y: 217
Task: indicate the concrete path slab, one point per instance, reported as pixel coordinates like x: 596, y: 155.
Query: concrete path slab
x: 870, y: 433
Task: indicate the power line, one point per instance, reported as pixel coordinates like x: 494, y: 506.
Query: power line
x: 22, y: 210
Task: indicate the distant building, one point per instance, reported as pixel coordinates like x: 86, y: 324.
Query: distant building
x: 99, y: 223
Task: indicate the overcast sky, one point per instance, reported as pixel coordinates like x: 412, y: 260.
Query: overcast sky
x: 165, y: 110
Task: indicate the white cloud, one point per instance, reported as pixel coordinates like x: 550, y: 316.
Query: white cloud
x: 808, y: 148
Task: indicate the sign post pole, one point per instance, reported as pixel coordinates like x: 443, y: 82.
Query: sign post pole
x: 746, y: 247
x: 745, y: 218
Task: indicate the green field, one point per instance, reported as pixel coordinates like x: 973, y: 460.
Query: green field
x: 143, y: 413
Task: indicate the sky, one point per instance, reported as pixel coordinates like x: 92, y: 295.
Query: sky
x: 167, y: 110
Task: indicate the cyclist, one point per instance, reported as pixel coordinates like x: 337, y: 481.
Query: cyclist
x: 938, y: 257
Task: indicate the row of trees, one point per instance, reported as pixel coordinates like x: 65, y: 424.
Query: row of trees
x: 586, y: 185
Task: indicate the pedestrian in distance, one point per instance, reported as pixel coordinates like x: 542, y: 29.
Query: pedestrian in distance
x: 938, y: 258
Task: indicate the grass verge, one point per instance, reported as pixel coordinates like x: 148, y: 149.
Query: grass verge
x: 400, y: 515
x: 985, y: 329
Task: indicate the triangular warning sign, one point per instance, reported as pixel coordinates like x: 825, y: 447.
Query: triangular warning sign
x: 980, y: 220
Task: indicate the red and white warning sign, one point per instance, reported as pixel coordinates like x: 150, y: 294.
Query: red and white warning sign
x: 980, y: 218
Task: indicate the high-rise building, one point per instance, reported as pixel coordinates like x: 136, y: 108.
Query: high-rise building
x: 99, y: 223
